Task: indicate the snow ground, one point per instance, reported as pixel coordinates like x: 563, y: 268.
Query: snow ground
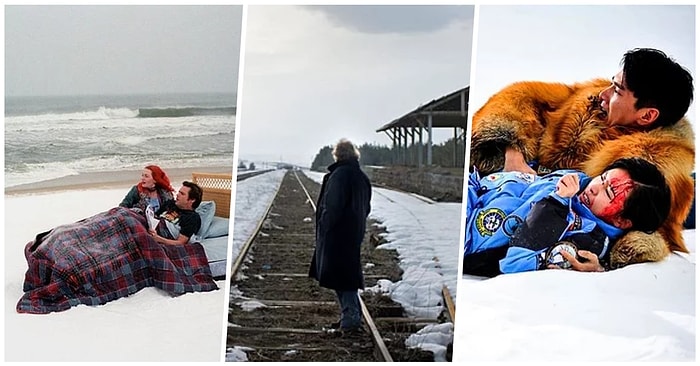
x: 642, y: 312
x: 149, y: 325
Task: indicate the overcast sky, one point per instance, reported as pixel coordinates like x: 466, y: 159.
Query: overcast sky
x: 68, y: 50
x: 313, y: 75
x: 573, y: 43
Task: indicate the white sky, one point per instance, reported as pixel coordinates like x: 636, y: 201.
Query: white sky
x: 314, y: 75
x: 572, y: 43
x: 69, y: 50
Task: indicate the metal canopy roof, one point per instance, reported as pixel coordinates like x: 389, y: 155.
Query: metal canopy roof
x: 447, y: 111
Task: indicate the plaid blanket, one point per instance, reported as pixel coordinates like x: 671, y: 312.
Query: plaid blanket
x: 105, y: 257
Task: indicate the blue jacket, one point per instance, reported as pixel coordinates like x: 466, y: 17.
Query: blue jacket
x: 515, y: 218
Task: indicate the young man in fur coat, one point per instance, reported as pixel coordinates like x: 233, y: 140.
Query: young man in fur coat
x: 539, y: 127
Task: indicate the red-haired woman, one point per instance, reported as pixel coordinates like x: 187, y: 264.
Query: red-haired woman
x: 153, y: 189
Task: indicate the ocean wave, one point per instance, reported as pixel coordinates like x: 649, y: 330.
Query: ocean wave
x: 130, y: 140
x: 130, y: 125
x: 37, y: 172
x: 185, y: 112
x: 33, y: 173
x: 202, y: 134
x: 101, y: 113
x: 105, y: 113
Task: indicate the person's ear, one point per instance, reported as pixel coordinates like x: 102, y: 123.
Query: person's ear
x: 622, y: 223
x: 648, y: 116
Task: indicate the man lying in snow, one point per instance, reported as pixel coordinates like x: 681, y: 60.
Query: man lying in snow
x: 105, y: 257
x: 519, y: 222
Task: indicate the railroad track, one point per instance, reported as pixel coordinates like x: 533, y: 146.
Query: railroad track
x: 277, y: 313
x: 249, y: 174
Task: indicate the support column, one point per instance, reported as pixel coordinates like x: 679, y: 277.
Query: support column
x: 420, y: 147
x: 414, y: 158
x: 404, y: 134
x: 394, y: 150
x: 454, y: 147
x: 430, y: 139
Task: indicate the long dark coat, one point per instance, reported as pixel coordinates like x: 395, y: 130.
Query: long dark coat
x: 341, y: 216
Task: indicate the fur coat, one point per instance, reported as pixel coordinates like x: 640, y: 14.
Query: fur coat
x: 562, y: 126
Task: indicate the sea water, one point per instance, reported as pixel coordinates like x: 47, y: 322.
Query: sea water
x: 52, y: 137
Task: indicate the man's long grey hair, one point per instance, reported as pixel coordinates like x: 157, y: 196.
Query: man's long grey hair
x: 345, y: 150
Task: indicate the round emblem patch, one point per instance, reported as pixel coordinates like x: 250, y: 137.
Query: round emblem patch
x: 554, y: 254
x: 489, y: 220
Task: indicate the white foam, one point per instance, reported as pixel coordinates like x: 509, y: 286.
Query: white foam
x: 102, y: 113
x: 48, y: 171
x: 34, y: 173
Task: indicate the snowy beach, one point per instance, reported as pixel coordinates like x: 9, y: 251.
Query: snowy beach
x: 92, y: 96
x: 71, y: 157
x: 149, y: 325
x: 426, y: 236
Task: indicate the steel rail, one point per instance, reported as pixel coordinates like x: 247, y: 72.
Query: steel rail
x: 449, y: 304
x: 246, y: 246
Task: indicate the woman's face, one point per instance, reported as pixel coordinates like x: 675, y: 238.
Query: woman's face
x: 605, y: 195
x: 147, y: 180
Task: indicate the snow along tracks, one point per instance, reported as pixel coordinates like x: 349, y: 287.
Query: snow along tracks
x: 277, y: 313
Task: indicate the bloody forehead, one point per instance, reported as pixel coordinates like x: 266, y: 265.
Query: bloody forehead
x: 621, y: 187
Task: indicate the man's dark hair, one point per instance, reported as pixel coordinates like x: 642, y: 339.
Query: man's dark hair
x: 649, y: 202
x: 658, y: 81
x: 194, y: 194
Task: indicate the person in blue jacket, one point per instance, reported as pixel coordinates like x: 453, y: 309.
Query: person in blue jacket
x: 521, y: 222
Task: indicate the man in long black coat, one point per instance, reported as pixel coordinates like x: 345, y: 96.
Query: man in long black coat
x: 341, y: 216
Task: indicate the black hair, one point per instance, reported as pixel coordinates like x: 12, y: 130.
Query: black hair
x: 195, y: 193
x: 658, y: 81
x: 649, y: 203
